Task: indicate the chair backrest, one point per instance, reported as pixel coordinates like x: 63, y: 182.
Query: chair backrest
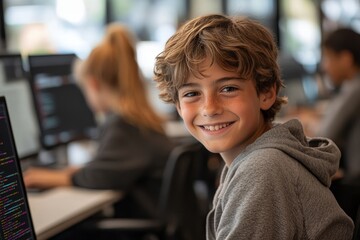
x: 356, y: 235
x: 178, y: 203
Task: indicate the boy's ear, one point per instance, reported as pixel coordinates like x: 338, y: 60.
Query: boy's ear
x: 267, y: 99
x: 178, y: 109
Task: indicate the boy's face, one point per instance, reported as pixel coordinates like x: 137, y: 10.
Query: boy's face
x: 223, y: 111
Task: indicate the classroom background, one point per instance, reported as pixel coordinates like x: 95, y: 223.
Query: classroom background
x: 62, y: 26
x: 48, y: 34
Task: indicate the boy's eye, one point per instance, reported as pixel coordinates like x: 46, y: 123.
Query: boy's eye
x: 190, y: 94
x: 228, y: 89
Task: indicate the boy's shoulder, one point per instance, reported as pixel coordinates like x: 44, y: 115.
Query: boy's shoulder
x: 264, y: 162
x: 265, y: 171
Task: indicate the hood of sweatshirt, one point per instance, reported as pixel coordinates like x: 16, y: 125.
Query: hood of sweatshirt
x: 319, y: 155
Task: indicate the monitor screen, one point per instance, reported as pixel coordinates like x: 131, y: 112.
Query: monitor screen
x: 61, y: 108
x: 15, y: 87
x: 15, y: 217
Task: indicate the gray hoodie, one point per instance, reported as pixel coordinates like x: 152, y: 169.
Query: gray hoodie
x: 278, y: 188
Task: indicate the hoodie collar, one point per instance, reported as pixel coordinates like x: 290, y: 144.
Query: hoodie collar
x: 319, y: 155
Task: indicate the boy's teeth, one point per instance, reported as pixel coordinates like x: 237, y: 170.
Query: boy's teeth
x: 216, y: 127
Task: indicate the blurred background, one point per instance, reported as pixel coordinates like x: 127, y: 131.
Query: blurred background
x: 75, y: 26
x: 42, y: 30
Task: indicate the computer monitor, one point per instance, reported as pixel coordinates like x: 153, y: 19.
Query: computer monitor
x: 14, y: 85
x: 62, y: 111
x: 15, y: 216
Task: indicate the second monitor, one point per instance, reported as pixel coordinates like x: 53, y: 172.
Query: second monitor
x: 61, y: 108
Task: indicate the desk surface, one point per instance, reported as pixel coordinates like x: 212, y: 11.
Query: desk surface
x: 57, y: 209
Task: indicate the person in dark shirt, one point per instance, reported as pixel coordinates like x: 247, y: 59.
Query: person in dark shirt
x: 341, y: 120
x: 132, y: 147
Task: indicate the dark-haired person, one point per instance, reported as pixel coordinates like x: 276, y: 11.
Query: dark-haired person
x: 341, y: 121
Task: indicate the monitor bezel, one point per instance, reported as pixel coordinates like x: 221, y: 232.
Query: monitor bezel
x: 17, y: 55
x: 32, y: 78
x: 18, y: 166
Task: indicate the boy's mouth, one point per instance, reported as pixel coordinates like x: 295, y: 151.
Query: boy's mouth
x: 216, y: 127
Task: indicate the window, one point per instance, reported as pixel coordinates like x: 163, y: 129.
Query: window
x: 53, y: 26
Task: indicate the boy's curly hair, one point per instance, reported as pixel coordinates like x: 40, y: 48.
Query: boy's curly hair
x: 234, y: 43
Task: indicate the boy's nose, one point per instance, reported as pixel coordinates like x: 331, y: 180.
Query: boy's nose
x: 211, y: 107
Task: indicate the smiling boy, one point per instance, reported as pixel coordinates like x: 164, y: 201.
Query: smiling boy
x: 223, y: 77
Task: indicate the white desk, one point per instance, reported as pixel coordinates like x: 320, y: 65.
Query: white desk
x: 55, y: 210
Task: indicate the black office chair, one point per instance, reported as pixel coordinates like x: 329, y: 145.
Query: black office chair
x: 356, y: 235
x: 180, y: 216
